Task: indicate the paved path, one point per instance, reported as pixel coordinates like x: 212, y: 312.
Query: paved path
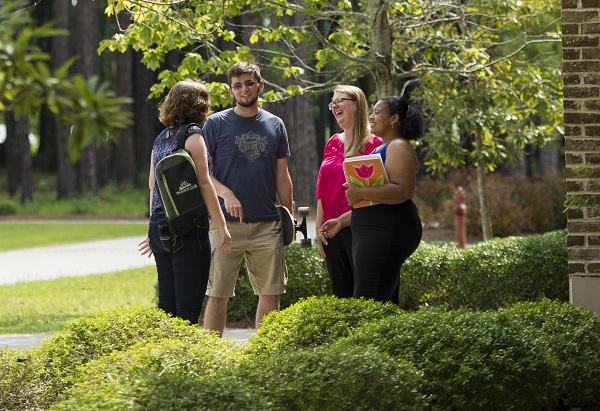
x: 92, y: 257
x: 27, y: 341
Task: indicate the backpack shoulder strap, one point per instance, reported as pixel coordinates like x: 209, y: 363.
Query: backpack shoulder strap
x: 182, y: 135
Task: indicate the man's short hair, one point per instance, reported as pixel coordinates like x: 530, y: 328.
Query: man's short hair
x: 243, y: 67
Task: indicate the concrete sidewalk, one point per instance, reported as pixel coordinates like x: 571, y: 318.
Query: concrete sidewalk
x: 91, y: 257
x: 27, y: 341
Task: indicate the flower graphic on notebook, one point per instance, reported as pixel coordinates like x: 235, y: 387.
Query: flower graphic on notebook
x: 365, y: 172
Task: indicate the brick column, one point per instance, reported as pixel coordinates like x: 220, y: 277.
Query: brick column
x: 581, y: 75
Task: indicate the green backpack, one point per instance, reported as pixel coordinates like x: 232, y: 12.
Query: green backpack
x: 177, y: 184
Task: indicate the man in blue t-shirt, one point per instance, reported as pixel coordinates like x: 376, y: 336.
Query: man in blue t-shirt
x: 248, y: 149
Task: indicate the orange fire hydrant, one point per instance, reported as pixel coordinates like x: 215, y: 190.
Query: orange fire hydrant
x: 460, y: 214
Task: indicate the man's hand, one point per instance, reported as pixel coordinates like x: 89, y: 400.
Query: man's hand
x: 233, y: 206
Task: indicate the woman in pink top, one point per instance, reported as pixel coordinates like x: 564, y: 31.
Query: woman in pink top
x: 350, y: 109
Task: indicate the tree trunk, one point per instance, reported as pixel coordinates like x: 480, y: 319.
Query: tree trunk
x: 146, y: 125
x: 381, y: 48
x: 302, y: 164
x: 298, y: 118
x: 60, y: 51
x: 87, y: 31
x: 124, y: 155
x: 25, y: 157
x: 11, y: 152
x: 486, y: 221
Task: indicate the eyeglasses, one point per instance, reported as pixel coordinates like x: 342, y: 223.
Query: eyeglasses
x: 339, y: 101
x: 248, y: 84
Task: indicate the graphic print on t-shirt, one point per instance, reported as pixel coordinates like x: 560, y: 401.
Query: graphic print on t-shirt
x: 251, y: 145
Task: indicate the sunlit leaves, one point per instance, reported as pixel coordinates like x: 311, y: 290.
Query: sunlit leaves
x: 96, y: 115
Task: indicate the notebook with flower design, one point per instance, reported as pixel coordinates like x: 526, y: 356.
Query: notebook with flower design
x: 365, y: 171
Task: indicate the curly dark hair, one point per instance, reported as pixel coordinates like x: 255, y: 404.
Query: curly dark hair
x: 187, y: 102
x: 411, y: 120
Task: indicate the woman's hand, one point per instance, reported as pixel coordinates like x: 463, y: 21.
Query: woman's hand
x: 353, y: 193
x: 321, y: 241
x: 330, y: 228
x: 144, y: 247
x: 225, y: 244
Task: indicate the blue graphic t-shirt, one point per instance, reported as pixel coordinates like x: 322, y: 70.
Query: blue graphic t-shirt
x: 163, y: 145
x: 243, y: 153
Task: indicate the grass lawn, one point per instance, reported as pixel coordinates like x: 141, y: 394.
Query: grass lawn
x: 47, y: 306
x: 24, y: 234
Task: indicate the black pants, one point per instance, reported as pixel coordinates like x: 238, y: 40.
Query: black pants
x: 339, y: 263
x: 384, y: 236
x: 183, y: 264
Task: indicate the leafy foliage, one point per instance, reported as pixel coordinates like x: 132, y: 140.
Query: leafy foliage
x: 469, y: 360
x: 27, y: 83
x: 335, y: 378
x: 514, y: 269
x: 50, y: 367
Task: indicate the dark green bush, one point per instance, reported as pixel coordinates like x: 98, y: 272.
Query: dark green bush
x: 313, y: 322
x: 470, y: 361
x: 495, y: 273
x: 424, y: 276
x: 513, y: 269
x: 45, y: 372
x: 573, y: 336
x: 8, y: 208
x: 335, y: 378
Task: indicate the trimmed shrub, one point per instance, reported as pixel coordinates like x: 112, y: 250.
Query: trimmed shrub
x: 514, y: 269
x: 313, y: 322
x: 470, y: 361
x: 24, y: 385
x: 498, y: 272
x: 8, y: 208
x: 424, y: 276
x: 573, y: 336
x: 335, y: 378
x: 45, y: 372
x: 170, y: 375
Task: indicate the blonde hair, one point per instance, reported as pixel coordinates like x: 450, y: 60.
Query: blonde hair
x: 187, y: 102
x: 360, y: 130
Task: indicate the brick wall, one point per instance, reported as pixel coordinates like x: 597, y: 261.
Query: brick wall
x: 581, y: 75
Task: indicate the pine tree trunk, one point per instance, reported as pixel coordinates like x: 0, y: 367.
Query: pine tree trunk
x: 124, y: 156
x: 302, y: 164
x: 11, y: 153
x: 87, y: 30
x: 146, y: 125
x: 66, y: 181
x: 25, y: 157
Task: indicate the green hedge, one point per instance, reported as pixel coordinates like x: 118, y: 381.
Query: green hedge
x: 35, y: 379
x: 321, y: 353
x: 514, y: 269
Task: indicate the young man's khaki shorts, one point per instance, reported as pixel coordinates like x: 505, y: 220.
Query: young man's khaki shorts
x: 261, y: 244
